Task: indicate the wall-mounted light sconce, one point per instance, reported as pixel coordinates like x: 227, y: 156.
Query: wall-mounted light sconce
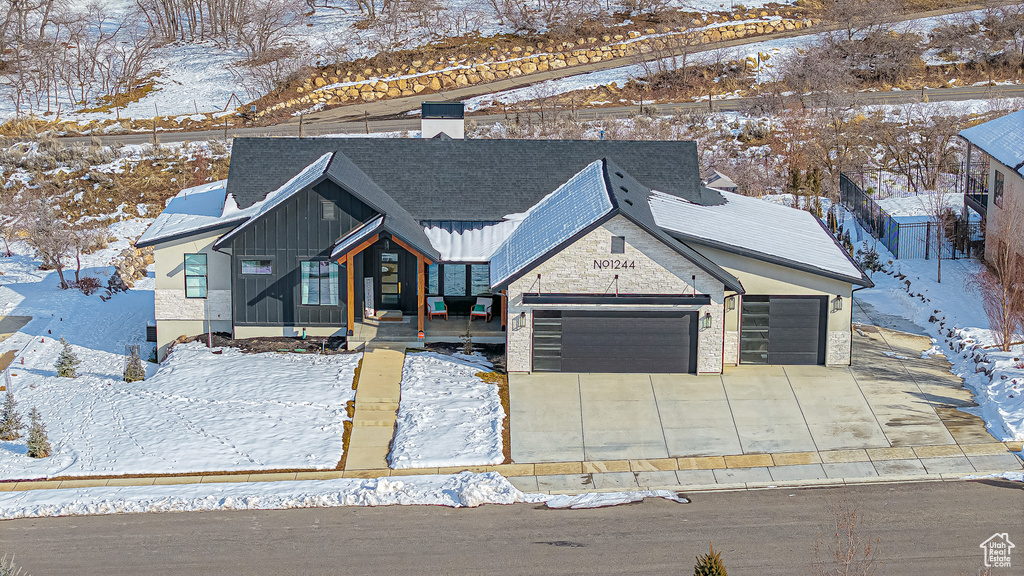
x: 519, y: 322
x: 837, y: 303
x: 730, y: 303
x: 705, y: 321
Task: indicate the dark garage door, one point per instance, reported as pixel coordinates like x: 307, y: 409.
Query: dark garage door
x: 783, y: 330
x: 586, y: 341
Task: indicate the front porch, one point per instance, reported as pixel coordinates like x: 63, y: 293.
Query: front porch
x: 437, y: 330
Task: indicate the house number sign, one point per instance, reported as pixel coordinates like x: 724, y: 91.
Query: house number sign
x: 614, y: 264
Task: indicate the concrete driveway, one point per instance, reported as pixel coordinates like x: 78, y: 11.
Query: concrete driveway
x: 891, y: 397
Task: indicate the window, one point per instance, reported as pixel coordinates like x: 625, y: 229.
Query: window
x: 479, y: 279
x: 327, y: 211
x: 320, y: 283
x: 454, y: 279
x: 432, y: 281
x: 618, y: 244
x: 195, y: 275
x: 256, y: 267
x: 997, y: 190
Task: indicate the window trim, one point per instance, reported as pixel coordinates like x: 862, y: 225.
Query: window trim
x: 998, y: 183
x: 244, y: 259
x: 336, y: 285
x: 205, y: 276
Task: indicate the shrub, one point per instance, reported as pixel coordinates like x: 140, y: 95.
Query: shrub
x: 134, y: 371
x: 38, y: 444
x: 868, y: 260
x: 88, y: 285
x: 67, y: 361
x: 7, y: 567
x: 10, y: 421
x: 710, y: 564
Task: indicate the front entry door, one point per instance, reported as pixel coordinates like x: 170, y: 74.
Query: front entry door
x: 389, y: 292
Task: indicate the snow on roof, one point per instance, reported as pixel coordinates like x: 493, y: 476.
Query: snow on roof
x: 753, y: 225
x: 1002, y: 139
x: 356, y: 236
x: 472, y: 245
x: 555, y: 219
x: 190, y: 210
x: 304, y: 178
x: 721, y: 182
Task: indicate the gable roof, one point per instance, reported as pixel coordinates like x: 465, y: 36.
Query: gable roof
x: 298, y: 182
x: 397, y: 220
x: 439, y: 179
x: 761, y: 230
x: 1002, y: 139
x: 597, y: 193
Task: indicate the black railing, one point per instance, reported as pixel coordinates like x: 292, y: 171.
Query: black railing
x: 959, y: 238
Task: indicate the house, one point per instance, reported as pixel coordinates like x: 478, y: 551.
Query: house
x: 720, y: 181
x: 995, y: 178
x: 594, y: 256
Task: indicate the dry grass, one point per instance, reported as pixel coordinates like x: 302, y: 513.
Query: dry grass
x: 501, y: 381
x: 350, y: 409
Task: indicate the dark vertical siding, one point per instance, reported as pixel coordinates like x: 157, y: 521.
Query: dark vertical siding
x: 290, y: 234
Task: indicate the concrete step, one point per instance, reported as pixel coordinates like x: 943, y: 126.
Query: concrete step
x: 380, y: 406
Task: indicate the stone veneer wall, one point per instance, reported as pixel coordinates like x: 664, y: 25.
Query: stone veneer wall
x: 658, y: 270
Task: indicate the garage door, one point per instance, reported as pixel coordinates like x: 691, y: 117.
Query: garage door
x: 587, y: 341
x: 783, y: 330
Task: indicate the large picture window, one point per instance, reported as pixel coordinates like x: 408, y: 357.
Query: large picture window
x: 433, y: 285
x: 195, y: 275
x: 479, y: 279
x: 320, y: 283
x: 997, y: 189
x: 454, y: 279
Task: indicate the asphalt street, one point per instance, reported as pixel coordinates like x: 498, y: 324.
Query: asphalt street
x: 928, y: 528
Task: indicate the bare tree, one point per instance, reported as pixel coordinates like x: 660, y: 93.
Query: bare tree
x: 841, y: 549
x: 1001, y: 283
x: 52, y: 239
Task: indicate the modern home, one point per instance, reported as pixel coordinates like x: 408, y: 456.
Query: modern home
x: 995, y: 155
x: 579, y: 256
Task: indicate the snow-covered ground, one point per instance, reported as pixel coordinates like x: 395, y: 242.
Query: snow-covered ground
x: 776, y: 49
x: 448, y: 416
x: 461, y: 490
x: 198, y: 412
x: 951, y: 312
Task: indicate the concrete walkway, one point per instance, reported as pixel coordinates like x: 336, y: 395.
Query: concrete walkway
x: 378, y: 392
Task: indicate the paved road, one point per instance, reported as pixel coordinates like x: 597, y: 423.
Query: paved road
x: 337, y: 126
x: 925, y: 528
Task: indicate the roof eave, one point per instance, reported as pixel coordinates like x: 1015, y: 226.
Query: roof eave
x: 182, y: 235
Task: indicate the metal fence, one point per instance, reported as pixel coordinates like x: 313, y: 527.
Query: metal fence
x: 959, y: 238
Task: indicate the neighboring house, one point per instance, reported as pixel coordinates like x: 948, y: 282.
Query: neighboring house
x: 998, y: 147
x: 587, y: 268
x: 720, y: 181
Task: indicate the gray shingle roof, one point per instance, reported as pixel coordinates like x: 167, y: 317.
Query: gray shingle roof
x: 439, y: 179
x: 397, y: 220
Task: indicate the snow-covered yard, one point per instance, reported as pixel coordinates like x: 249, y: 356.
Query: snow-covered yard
x: 198, y: 412
x: 951, y: 313
x: 448, y: 416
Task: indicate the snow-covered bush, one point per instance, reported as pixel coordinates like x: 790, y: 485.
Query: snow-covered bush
x: 67, y: 361
x: 10, y: 421
x: 38, y: 444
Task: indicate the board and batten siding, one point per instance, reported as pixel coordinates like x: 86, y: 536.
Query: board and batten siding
x: 658, y: 269
x: 292, y: 233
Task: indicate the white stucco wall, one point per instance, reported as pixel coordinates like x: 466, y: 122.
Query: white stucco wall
x: 177, y: 315
x: 657, y: 270
x: 761, y: 278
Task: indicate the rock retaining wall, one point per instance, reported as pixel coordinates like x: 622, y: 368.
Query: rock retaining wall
x: 426, y: 77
